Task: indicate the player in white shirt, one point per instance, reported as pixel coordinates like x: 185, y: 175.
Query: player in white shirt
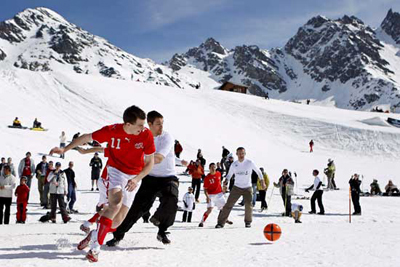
x: 161, y: 181
x: 242, y: 169
x: 317, y: 186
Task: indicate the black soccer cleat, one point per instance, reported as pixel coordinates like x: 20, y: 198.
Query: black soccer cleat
x: 219, y: 226
x: 247, y: 225
x: 163, y: 238
x: 113, y: 242
x: 155, y: 221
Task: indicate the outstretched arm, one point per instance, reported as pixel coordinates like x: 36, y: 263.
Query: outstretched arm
x: 85, y: 138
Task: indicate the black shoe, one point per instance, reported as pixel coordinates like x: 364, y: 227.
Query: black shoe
x: 97, y: 189
x: 312, y: 212
x: 155, y: 221
x: 113, y: 242
x: 163, y: 238
x: 201, y: 224
x: 297, y: 221
x: 241, y: 204
x: 229, y: 222
x: 219, y: 226
x: 92, y: 189
x: 356, y: 213
x: 247, y: 225
x: 321, y: 213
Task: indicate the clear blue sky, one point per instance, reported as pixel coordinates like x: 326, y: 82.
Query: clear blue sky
x: 159, y: 28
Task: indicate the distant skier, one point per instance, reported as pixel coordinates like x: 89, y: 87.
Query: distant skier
x: 311, y: 145
x: 355, y: 193
x: 317, y: 186
x: 375, y: 189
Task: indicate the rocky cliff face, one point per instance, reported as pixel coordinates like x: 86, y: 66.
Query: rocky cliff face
x: 342, y: 60
x: 41, y: 40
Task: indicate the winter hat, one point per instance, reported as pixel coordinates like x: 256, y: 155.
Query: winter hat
x: 58, y: 164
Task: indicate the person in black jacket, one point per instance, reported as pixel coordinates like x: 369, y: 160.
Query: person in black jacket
x: 286, y: 185
x: 355, y: 193
x: 41, y: 171
x: 96, y: 165
x: 71, y: 195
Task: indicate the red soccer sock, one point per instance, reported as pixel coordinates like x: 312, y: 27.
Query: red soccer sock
x: 103, y: 228
x: 112, y: 230
x: 205, y: 216
x: 94, y: 218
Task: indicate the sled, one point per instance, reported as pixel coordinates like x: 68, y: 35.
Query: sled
x: 17, y: 127
x: 38, y: 129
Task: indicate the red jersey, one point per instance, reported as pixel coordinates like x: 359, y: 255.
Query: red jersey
x: 27, y: 169
x: 125, y: 152
x: 212, y: 183
x: 22, y: 192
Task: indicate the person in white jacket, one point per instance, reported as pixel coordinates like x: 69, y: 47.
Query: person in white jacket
x: 58, y: 190
x: 12, y: 167
x: 188, y: 205
x: 26, y: 168
x: 7, y: 185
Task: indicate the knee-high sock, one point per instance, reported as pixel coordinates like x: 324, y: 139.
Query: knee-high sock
x: 205, y: 216
x: 94, y: 218
x: 103, y: 228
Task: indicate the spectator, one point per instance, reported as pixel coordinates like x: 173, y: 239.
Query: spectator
x: 355, y: 193
x: 375, y: 189
x: 96, y: 165
x: 330, y: 173
x: 262, y: 191
x: 228, y: 164
x: 9, y: 163
x: 219, y: 169
x: 317, y: 187
x: 71, y: 196
x: 22, y: 193
x: 7, y: 185
x: 198, y: 153
x: 63, y: 141
x: 27, y: 168
x: 189, y: 205
x: 41, y: 171
x: 178, y: 149
x: 202, y: 160
x: 2, y: 163
x: 46, y: 188
x: 390, y: 188
x: 197, y: 173
x: 286, y: 185
x: 58, y: 190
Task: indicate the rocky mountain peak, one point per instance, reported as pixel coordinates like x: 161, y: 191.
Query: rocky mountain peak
x: 391, y: 25
x: 211, y: 45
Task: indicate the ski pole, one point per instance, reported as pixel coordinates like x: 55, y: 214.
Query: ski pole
x: 349, y: 204
x: 269, y: 200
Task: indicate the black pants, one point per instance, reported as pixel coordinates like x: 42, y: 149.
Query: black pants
x: 196, y: 183
x: 187, y: 214
x: 287, y: 202
x: 317, y: 196
x: 5, y: 202
x: 54, y: 198
x: 166, y: 188
x: 263, y: 194
x: 355, y: 197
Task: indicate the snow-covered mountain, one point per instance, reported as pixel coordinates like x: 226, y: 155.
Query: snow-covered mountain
x: 41, y: 40
x: 343, y: 62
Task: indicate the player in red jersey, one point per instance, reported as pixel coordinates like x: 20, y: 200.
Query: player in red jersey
x: 130, y: 158
x: 213, y: 192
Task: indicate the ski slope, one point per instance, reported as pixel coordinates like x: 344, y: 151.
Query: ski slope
x: 276, y: 136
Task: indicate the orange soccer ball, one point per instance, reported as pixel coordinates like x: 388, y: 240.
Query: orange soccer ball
x: 272, y: 232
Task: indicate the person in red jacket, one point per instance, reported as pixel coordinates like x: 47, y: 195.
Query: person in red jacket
x: 311, y: 145
x: 21, y: 193
x: 178, y: 149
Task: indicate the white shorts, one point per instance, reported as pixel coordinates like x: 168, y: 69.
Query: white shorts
x: 118, y: 180
x: 103, y: 188
x: 217, y: 200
